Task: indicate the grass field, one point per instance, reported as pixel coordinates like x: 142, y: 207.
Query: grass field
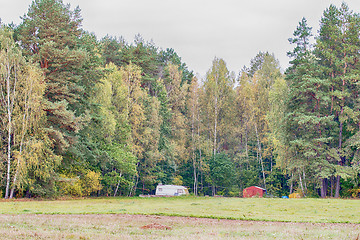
x: 259, y: 209
x: 156, y: 218
x: 123, y: 226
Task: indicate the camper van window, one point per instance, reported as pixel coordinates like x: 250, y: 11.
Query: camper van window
x: 179, y: 191
x: 160, y: 189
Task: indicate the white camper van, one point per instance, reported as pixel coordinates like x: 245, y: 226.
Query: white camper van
x: 170, y: 190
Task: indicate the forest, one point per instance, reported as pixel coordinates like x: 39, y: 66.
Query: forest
x: 82, y: 116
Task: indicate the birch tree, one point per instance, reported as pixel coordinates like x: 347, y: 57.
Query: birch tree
x: 194, y: 125
x: 217, y: 88
x: 11, y: 61
x: 22, y: 88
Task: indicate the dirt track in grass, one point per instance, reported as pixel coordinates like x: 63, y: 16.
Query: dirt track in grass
x: 123, y: 226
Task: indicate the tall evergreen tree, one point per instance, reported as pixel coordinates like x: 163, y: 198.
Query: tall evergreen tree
x: 307, y: 108
x: 49, y: 34
x: 111, y: 49
x: 338, y: 48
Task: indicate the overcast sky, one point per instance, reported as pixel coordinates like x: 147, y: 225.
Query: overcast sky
x: 198, y: 30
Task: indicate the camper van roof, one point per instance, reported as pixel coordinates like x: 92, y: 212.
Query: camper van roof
x: 172, y: 186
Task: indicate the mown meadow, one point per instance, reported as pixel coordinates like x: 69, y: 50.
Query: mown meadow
x: 180, y: 218
x: 258, y: 209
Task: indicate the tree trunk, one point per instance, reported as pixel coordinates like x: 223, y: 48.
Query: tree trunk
x: 215, y: 125
x: 246, y: 144
x: 195, y: 180
x: 246, y: 135
x: 135, y: 185
x: 8, y: 160
x: 260, y: 156
x: 25, y: 121
x: 337, y: 191
x: 323, y: 187
x: 201, y: 172
x: 200, y: 162
x: 117, y: 187
x: 199, y: 147
x: 9, y: 115
x: 193, y: 149
x: 301, y: 185
x: 291, y: 184
x: 305, y: 186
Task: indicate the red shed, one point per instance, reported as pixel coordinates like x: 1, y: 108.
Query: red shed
x: 253, y: 191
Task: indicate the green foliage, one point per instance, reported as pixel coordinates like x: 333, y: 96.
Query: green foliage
x: 111, y: 50
x: 30, y: 153
x: 323, y: 97
x: 56, y: 50
x: 107, y: 117
x: 277, y: 183
x: 122, y: 160
x: 307, y: 107
x: 221, y: 171
x: 110, y: 181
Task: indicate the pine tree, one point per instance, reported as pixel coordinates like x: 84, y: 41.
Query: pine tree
x: 307, y: 109
x: 111, y: 49
x: 338, y: 48
x: 49, y: 34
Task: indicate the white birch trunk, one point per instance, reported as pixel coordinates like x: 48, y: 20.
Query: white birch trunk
x: 291, y: 184
x: 9, y: 128
x: 260, y: 156
x: 200, y: 156
x: 215, y: 124
x: 301, y: 184
x: 305, y: 186
x: 25, y: 121
x: 193, y: 150
x: 117, y: 187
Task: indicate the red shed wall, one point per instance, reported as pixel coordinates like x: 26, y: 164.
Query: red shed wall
x: 253, y: 192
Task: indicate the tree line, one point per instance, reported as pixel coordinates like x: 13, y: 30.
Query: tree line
x: 81, y: 116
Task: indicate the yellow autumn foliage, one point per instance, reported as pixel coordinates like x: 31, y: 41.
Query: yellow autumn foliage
x: 90, y: 183
x: 79, y: 186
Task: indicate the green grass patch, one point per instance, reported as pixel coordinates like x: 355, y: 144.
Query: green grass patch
x: 259, y: 209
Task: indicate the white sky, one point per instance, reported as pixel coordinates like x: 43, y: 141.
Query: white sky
x: 198, y: 30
